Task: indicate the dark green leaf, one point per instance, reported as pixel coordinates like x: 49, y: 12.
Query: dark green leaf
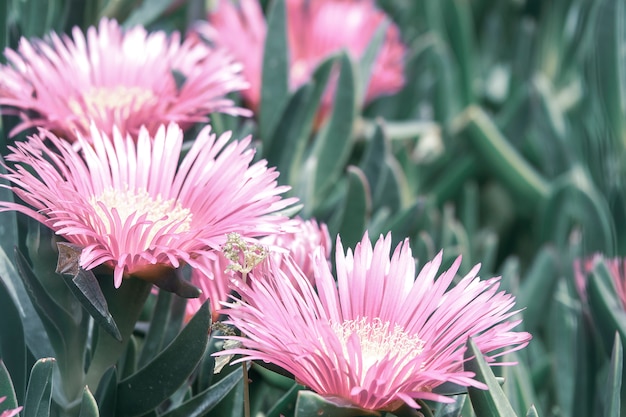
x: 490, y: 402
x: 7, y: 389
x: 612, y: 401
x: 38, y: 394
x: 356, y: 207
x: 537, y: 289
x: 88, y: 405
x: 106, y: 394
x: 334, y: 142
x: 160, y: 318
x: 151, y: 385
x: 275, y: 73
x: 310, y: 404
x: 12, y: 345
x: 606, y: 308
x: 286, y: 401
x: 207, y: 399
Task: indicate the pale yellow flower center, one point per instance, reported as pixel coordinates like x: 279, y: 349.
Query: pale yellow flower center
x: 379, y: 339
x: 121, y: 98
x: 159, y: 212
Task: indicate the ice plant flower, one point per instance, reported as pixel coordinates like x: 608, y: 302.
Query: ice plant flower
x: 117, y: 78
x: 9, y: 413
x: 315, y: 30
x: 377, y: 337
x: 133, y: 207
x: 304, y: 239
x: 616, y: 268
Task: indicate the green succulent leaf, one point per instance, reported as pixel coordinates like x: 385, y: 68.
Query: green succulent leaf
x: 7, y: 389
x: 204, y: 402
x: 106, y: 394
x: 611, y: 402
x: 310, y: 404
x: 356, y: 207
x: 275, y: 73
x: 39, y: 392
x: 490, y: 402
x: 147, y: 12
x: 12, y: 344
x: 160, y: 378
x: 88, y: 405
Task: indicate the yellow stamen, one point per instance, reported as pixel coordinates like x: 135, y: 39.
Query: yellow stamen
x: 121, y: 99
x: 129, y: 202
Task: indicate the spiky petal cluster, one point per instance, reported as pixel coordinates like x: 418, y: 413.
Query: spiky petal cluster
x: 117, y: 78
x: 130, y: 204
x: 9, y: 413
x: 316, y: 30
x: 301, y: 242
x: 377, y: 336
x: 617, y: 270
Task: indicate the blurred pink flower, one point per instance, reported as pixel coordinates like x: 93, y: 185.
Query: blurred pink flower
x: 315, y: 30
x: 9, y: 413
x: 133, y: 207
x: 117, y: 78
x: 377, y: 336
x: 305, y: 238
x: 616, y: 267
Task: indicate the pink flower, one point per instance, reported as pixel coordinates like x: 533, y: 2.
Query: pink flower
x: 305, y: 238
x: 316, y: 30
x: 9, y: 413
x: 117, y: 78
x: 132, y: 207
x: 616, y: 267
x: 377, y: 336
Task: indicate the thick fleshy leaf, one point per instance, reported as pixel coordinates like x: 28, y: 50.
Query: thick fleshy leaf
x: 611, y: 402
x: 293, y: 131
x: 366, y: 63
x: 39, y: 392
x: 310, y: 404
x: 106, y: 394
x: 458, y: 16
x: 147, y: 12
x: 451, y: 409
x: 537, y: 288
x: 275, y: 73
x: 151, y: 385
x: 12, y: 344
x: 490, y: 402
x: 153, y: 342
x: 503, y: 159
x: 356, y: 207
x: 287, y: 400
x: 204, y: 402
x: 334, y: 142
x: 606, y: 309
x: 532, y: 412
x: 88, y: 405
x: 7, y: 389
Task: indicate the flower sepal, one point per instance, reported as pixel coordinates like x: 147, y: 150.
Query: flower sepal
x: 312, y: 404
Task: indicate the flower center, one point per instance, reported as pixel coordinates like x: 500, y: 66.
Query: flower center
x: 378, y: 340
x: 159, y: 213
x: 100, y: 100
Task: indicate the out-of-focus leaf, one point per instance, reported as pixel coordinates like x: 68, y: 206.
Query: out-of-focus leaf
x: 8, y: 219
x: 537, y: 288
x: 7, y: 389
x: 565, y: 337
x: 532, y: 412
x: 158, y: 324
x: 202, y: 403
x: 151, y: 385
x: 490, y: 402
x: 88, y: 405
x: 39, y: 392
x: 575, y: 200
x: 606, y: 309
x: 275, y: 73
x: 356, y: 207
x: 450, y: 409
x: 461, y: 31
x: 611, y: 402
x: 366, y: 63
x: 294, y: 128
x: 506, y: 163
x: 147, y: 12
x: 518, y: 389
x: 334, y: 142
x: 310, y: 404
x: 12, y: 345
